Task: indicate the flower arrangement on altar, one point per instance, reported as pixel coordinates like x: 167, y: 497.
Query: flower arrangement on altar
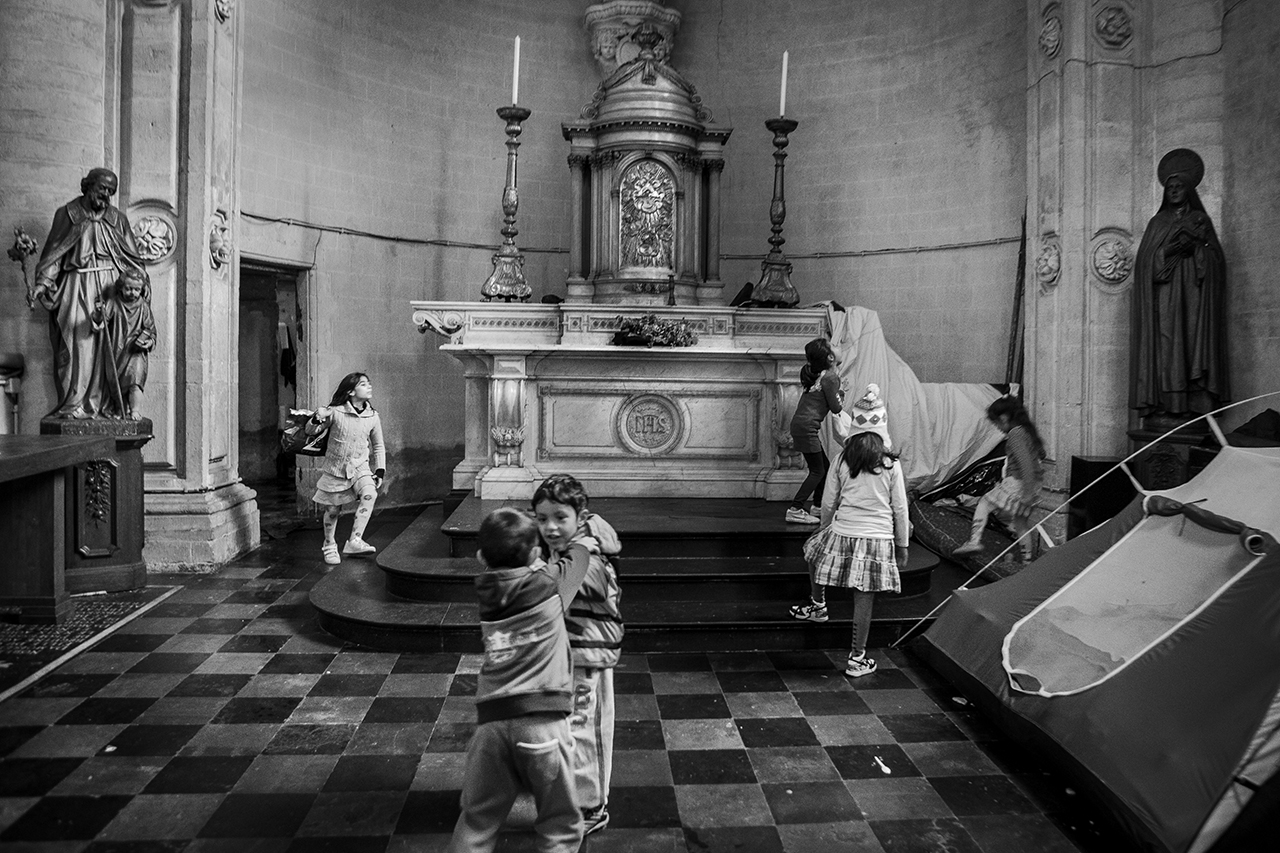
x: 649, y: 331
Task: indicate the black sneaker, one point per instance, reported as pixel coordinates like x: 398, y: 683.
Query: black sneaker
x: 594, y: 820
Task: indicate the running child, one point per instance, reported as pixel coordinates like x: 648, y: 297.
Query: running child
x: 346, y: 474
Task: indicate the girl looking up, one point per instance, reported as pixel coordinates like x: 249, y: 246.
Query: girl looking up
x: 355, y: 433
x: 821, y: 394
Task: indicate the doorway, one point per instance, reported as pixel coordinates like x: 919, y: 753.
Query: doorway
x: 268, y: 382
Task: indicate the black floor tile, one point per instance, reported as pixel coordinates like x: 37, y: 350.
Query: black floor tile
x: 422, y: 663
x: 254, y: 596
x: 401, y: 709
x: 294, y: 664
x: 338, y: 844
x: 255, y: 643
x: 710, y: 766
x: 872, y: 761
x: 692, y: 706
x: 751, y: 682
x: 310, y: 740
x: 99, y: 712
x: 214, y: 684
x: 132, y: 643
x: 12, y: 737
x: 64, y: 818
x: 179, y: 610
x: 61, y: 686
x: 776, y: 731
x: 258, y: 816
x: 34, y: 777
x: 174, y: 662
x: 450, y: 737
x: 350, y: 684
x: 924, y: 836
x: 174, y: 846
x: 372, y: 773
x: 643, y: 807
x: 638, y: 734
x: 463, y: 685
x: 810, y: 802
x: 428, y: 812
x: 215, y: 626
x: 757, y: 839
x: 632, y: 682
x: 921, y: 728
x: 801, y: 660
x: 981, y: 795
x: 885, y: 678
x: 199, y: 775
x: 679, y: 662
x: 254, y: 709
x: 150, y: 740
x: 830, y: 703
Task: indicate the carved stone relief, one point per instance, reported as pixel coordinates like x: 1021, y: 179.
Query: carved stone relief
x: 1048, y: 264
x: 1114, y: 27
x: 614, y: 24
x: 219, y: 240
x: 223, y: 9
x: 649, y: 424
x: 1111, y: 259
x: 154, y: 236
x: 1051, y: 37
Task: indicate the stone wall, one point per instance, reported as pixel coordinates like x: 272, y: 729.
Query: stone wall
x: 1251, y: 204
x: 377, y: 117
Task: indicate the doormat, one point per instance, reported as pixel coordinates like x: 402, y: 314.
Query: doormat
x: 28, y: 652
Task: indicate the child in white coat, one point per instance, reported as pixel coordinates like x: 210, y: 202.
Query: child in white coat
x: 354, y: 463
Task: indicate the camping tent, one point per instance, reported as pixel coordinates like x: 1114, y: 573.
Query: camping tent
x: 1144, y: 657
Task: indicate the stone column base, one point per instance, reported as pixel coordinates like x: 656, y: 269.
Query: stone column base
x: 198, y: 531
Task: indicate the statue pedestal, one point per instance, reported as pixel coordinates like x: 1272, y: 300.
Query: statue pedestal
x: 104, y: 522
x: 547, y: 393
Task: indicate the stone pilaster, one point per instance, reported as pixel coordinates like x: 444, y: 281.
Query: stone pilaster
x: 1083, y: 102
x: 179, y: 79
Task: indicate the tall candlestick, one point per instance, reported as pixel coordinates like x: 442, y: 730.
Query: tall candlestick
x: 515, y: 76
x: 782, y: 99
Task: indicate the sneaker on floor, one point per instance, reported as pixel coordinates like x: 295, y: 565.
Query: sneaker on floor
x: 810, y: 611
x: 799, y: 516
x: 358, y: 547
x: 858, y: 667
x: 594, y: 820
x: 330, y: 552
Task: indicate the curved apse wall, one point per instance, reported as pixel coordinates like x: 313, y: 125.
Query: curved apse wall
x: 377, y: 116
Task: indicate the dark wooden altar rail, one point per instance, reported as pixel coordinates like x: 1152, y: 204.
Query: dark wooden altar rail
x: 33, y: 536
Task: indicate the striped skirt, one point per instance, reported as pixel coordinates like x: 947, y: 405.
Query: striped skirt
x: 1007, y: 498
x: 852, y: 562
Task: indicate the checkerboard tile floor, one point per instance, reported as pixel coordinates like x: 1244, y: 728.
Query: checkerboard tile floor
x: 224, y: 719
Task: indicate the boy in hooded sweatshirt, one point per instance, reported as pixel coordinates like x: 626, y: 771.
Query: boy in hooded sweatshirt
x: 524, y: 692
x: 595, y: 635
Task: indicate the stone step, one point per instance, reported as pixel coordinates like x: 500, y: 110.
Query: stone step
x: 414, y: 597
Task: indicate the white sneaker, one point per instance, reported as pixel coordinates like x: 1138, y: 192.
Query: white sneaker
x: 858, y: 667
x: 799, y: 516
x: 358, y: 547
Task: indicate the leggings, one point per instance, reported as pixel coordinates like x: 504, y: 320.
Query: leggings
x: 364, y: 509
x: 813, y: 483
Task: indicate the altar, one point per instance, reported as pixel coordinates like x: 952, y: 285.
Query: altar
x: 546, y: 392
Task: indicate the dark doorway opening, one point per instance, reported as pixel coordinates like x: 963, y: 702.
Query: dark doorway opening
x: 268, y: 380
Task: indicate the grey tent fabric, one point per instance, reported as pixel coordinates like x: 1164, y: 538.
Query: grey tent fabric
x: 1177, y: 741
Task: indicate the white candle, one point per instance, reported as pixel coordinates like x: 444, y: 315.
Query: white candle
x: 515, y: 75
x: 782, y: 99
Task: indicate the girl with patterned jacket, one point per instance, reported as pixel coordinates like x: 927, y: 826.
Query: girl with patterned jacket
x: 346, y: 473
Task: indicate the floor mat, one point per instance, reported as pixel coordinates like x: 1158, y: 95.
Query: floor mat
x: 25, y: 650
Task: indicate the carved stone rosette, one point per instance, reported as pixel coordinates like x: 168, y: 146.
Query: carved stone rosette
x: 1111, y: 259
x: 219, y: 240
x: 1049, y: 264
x: 155, y: 238
x: 448, y: 323
x: 1113, y: 27
x: 1051, y: 37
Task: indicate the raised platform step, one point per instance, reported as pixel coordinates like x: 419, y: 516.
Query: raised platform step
x: 415, y: 598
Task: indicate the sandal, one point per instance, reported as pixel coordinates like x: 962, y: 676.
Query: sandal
x: 330, y: 551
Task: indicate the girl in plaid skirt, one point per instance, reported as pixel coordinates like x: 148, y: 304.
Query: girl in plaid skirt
x: 862, y: 540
